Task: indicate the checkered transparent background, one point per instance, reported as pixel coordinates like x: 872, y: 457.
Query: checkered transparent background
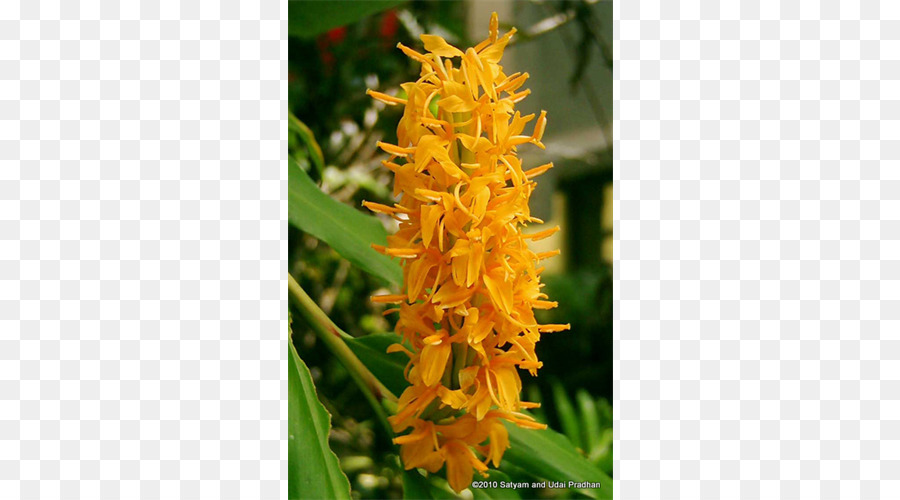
x: 142, y: 229
x: 758, y: 250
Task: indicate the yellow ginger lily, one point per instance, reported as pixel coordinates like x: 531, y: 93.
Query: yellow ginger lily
x: 470, y: 282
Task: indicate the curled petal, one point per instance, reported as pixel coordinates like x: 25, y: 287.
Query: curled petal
x: 439, y: 46
x: 500, y: 291
x: 389, y: 100
x: 433, y: 361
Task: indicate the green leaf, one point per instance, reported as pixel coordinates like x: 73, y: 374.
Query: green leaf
x: 349, y: 231
x: 590, y: 422
x: 388, y: 368
x: 604, y: 457
x: 314, y: 471
x: 566, y: 413
x: 534, y: 395
x: 418, y: 487
x: 315, y: 152
x: 550, y: 455
x: 307, y: 19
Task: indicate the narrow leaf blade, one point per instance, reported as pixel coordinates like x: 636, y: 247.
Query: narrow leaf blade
x: 309, y: 139
x: 418, y: 487
x: 567, y: 419
x: 314, y: 470
x: 590, y: 422
x: 550, y: 455
x: 388, y: 368
x: 307, y: 19
x: 349, y: 231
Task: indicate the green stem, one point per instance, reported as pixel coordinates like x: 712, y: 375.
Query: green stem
x: 460, y: 352
x: 462, y: 153
x: 333, y: 338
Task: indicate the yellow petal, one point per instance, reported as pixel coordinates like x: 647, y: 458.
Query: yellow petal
x: 476, y: 255
x: 481, y: 330
x: 483, y: 406
x: 540, y: 126
x: 475, y: 145
x: 554, y: 328
x: 460, y: 91
x: 479, y: 349
x: 434, y: 339
x: 508, y: 386
x: 480, y: 71
x: 455, y: 399
x: 429, y: 215
x: 398, y: 348
x: 432, y: 147
x: 451, y: 295
x: 500, y: 291
x: 454, y: 104
x: 394, y: 149
x: 439, y: 46
x: 416, y: 276
x: 481, y: 202
x: 387, y: 99
x: 421, y: 453
x: 495, y: 51
x: 460, y: 264
x: 433, y: 361
x: 459, y: 469
x: 429, y: 147
x: 467, y: 376
x: 412, y: 54
x: 494, y: 26
x: 499, y: 442
x: 470, y: 78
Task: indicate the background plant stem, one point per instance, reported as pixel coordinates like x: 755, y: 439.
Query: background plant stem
x: 333, y: 337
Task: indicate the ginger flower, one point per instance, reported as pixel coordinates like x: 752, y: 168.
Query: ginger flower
x: 470, y: 282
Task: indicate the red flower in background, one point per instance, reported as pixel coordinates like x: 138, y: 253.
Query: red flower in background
x: 337, y: 35
x: 325, y: 42
x: 389, y: 25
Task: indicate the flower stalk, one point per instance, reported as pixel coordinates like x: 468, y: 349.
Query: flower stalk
x: 333, y: 337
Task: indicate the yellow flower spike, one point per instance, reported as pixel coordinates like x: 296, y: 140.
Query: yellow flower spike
x: 470, y: 283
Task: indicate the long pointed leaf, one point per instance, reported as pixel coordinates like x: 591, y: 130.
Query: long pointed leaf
x: 388, y: 368
x: 314, y: 471
x: 307, y: 19
x: 567, y: 419
x: 590, y: 422
x: 418, y: 487
x: 550, y: 455
x: 309, y: 139
x: 349, y: 231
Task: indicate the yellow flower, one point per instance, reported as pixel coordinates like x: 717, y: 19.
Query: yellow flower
x: 470, y: 282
